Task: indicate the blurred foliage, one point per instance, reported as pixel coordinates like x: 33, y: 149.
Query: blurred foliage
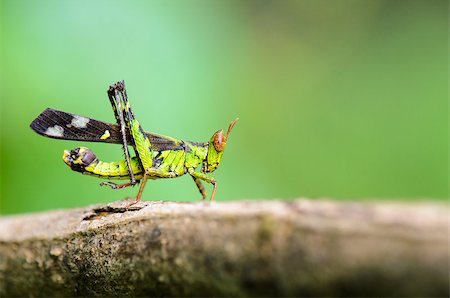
x: 344, y: 99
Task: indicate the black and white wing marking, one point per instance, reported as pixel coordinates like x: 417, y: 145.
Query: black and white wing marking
x: 66, y: 126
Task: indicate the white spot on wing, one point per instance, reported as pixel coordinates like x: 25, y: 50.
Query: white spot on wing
x: 55, y: 131
x: 79, y: 121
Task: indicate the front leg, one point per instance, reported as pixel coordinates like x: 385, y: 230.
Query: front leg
x: 200, y: 187
x: 204, y: 177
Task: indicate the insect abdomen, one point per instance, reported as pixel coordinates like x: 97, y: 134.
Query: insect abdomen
x: 114, y: 169
x: 85, y: 161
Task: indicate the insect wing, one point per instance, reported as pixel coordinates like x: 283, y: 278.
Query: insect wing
x: 67, y: 126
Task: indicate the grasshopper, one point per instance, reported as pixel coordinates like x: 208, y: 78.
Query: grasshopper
x: 157, y: 156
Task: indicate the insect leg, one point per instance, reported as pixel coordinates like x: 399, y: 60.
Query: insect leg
x: 200, y: 187
x: 206, y: 178
x: 117, y: 186
x: 139, y: 139
x: 152, y: 172
x: 141, y: 189
x: 118, y: 113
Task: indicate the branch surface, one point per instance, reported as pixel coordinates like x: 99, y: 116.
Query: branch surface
x: 241, y: 248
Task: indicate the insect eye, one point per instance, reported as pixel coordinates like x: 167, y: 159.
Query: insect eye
x: 219, y: 141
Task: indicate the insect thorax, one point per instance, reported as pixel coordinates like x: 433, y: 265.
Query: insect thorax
x: 179, y: 161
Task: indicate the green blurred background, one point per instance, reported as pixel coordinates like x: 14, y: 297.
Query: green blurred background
x: 343, y: 99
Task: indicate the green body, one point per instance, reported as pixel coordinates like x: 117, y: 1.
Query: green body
x: 176, y: 162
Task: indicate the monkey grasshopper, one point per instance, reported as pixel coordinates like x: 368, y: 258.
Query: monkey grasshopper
x: 157, y: 156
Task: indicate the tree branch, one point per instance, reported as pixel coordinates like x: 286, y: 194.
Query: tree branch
x: 262, y: 248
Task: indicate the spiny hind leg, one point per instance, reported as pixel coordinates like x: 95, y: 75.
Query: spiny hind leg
x: 121, y: 105
x: 116, y: 104
x: 140, y: 141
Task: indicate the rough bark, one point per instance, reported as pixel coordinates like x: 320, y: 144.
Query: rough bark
x: 252, y: 248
